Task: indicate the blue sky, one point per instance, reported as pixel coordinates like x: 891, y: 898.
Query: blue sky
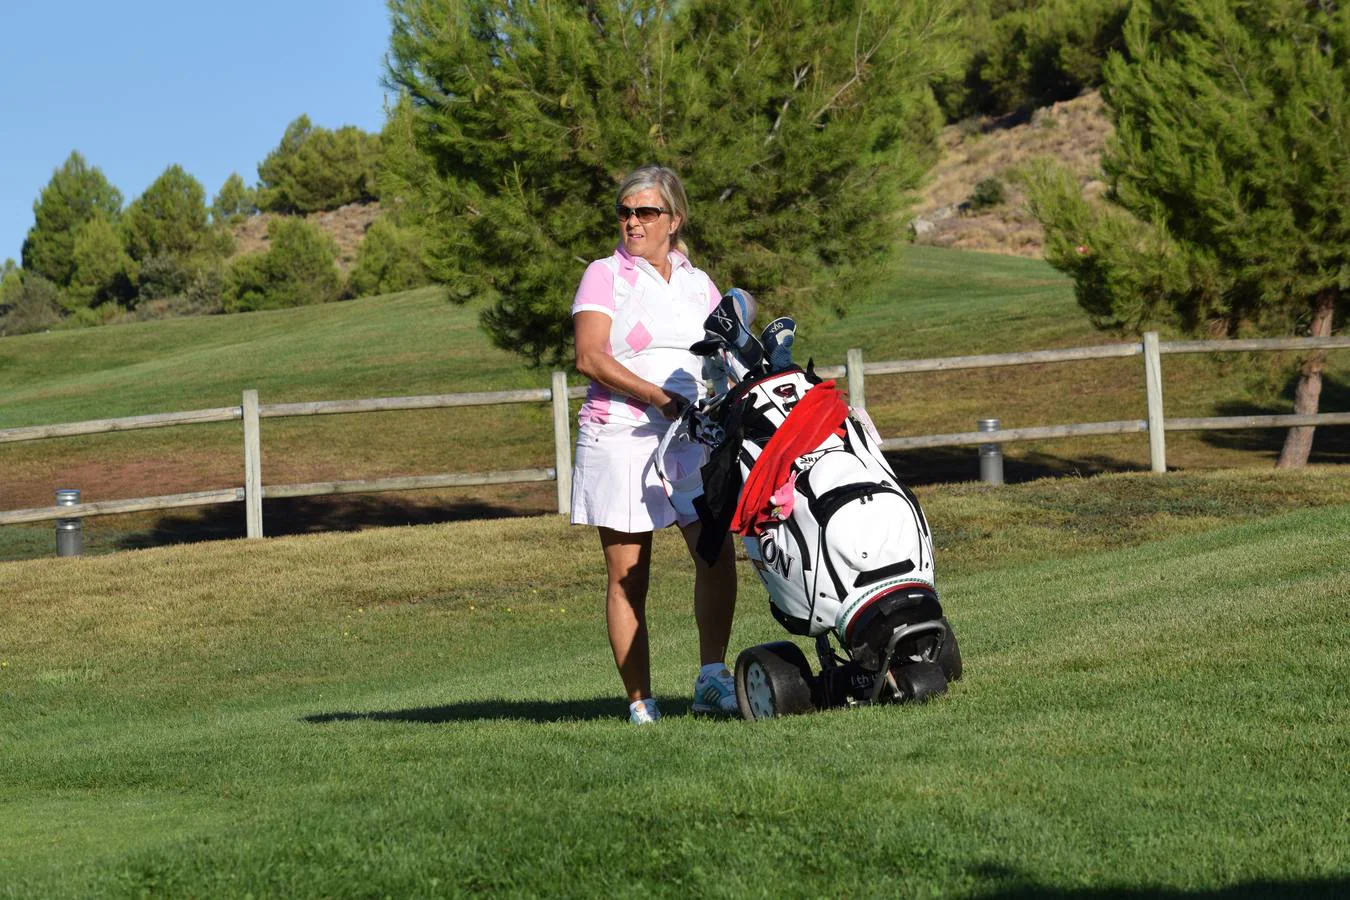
x: 140, y: 85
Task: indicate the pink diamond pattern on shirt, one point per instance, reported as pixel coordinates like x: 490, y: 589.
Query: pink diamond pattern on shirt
x: 638, y: 337
x: 653, y: 321
x: 596, y: 407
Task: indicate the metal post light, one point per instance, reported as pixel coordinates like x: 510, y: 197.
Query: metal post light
x: 69, y: 532
x: 991, y: 455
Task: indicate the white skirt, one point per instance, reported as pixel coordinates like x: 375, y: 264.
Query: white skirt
x: 614, y: 480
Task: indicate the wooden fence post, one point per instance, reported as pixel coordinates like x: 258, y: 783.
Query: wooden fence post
x: 562, y: 443
x: 1157, y: 438
x: 854, y: 369
x: 252, y: 466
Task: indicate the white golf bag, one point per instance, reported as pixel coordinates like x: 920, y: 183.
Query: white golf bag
x: 842, y: 547
x: 842, y: 532
x: 847, y: 535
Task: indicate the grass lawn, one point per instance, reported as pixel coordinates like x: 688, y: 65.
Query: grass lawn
x: 1155, y: 704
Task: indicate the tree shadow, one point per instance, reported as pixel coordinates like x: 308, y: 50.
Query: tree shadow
x: 539, y: 711
x: 1331, y: 443
x: 310, y: 515
x: 1010, y: 884
x: 949, y: 465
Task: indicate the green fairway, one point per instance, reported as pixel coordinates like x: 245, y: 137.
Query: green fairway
x: 1155, y: 703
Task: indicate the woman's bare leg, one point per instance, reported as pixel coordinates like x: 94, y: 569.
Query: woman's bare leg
x: 714, y: 597
x: 628, y: 561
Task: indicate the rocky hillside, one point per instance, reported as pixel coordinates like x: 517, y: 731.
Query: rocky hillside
x: 1073, y: 133
x: 347, y: 225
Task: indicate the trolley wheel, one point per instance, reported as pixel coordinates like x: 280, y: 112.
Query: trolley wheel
x: 950, y: 657
x: 773, y: 680
x: 919, y: 682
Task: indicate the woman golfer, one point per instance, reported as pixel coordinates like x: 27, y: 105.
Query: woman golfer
x: 635, y: 315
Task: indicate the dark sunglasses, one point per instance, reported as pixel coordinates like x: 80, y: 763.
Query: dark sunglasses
x: 645, y: 214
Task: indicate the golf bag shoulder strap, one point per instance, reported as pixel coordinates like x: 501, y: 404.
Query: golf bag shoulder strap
x: 829, y: 503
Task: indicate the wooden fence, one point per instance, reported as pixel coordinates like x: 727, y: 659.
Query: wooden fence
x: 250, y: 412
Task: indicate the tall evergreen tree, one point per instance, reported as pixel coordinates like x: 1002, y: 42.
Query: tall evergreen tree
x: 298, y: 269
x: 76, y: 193
x: 797, y: 126
x: 234, y: 201
x: 1229, y: 176
x: 388, y: 259
x: 104, y: 272
x: 169, y: 218
x: 1021, y: 54
x: 314, y: 169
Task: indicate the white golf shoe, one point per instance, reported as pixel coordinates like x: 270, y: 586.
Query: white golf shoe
x: 715, y: 692
x: 643, y: 712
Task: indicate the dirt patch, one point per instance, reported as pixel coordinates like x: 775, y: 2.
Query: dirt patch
x: 1073, y: 133
x: 98, y: 479
x: 346, y: 225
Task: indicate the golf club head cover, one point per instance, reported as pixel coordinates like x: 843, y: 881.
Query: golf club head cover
x: 724, y: 330
x: 777, y: 339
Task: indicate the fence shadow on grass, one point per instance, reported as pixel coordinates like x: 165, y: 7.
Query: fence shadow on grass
x: 311, y: 515
x: 947, y: 465
x: 1331, y: 443
x: 354, y: 512
x: 540, y: 711
x: 941, y: 465
x: 1018, y: 886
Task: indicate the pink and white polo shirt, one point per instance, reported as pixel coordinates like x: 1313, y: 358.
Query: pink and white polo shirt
x: 653, y: 322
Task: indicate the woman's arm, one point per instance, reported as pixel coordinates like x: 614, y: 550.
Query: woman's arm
x: 596, y: 363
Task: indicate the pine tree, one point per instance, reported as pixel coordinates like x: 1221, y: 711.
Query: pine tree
x: 76, y: 193
x: 1229, y: 178
x: 797, y: 126
x: 315, y: 169
x: 298, y: 269
x: 169, y: 218
x: 235, y: 201
x: 388, y: 259
x: 1021, y: 54
x: 104, y: 272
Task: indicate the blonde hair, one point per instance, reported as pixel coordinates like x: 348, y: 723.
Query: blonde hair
x: 671, y: 189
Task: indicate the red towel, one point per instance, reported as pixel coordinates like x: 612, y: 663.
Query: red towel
x: 818, y: 415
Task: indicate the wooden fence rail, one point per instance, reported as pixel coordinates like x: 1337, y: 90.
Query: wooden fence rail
x: 558, y: 395
x: 129, y: 423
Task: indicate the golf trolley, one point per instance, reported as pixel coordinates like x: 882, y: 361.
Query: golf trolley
x: 842, y: 547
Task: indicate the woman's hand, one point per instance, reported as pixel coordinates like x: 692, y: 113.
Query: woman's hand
x: 671, y: 405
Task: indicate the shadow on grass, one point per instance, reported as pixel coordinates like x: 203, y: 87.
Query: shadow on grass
x: 541, y: 711
x: 1331, y: 443
x: 1013, y: 885
x: 943, y: 465
x: 354, y: 512
x: 947, y: 465
x: 310, y: 515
